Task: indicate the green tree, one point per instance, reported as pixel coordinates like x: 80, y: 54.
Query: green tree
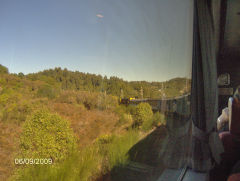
x: 21, y: 75
x: 46, y: 135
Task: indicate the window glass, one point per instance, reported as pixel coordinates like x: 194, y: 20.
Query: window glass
x: 96, y: 89
x: 231, y: 37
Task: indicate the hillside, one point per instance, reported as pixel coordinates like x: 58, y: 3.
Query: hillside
x: 69, y: 80
x: 88, y: 101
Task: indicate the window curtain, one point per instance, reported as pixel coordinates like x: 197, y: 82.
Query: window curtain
x: 206, y: 146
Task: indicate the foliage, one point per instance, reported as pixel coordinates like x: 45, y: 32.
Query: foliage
x: 91, y: 100
x: 131, y: 109
x: 158, y: 119
x: 3, y: 69
x: 107, y: 102
x: 46, y: 91
x: 8, y: 95
x: 147, y: 125
x: 108, y: 151
x: 21, y: 75
x: 117, y: 151
x: 68, y: 97
x: 69, y: 80
x: 143, y: 114
x: 125, y: 119
x: 80, y: 165
x: 125, y: 114
x: 104, y: 139
x: 120, y: 110
x: 16, y: 112
x: 46, y: 135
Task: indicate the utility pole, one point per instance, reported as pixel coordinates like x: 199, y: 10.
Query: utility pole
x: 163, y: 92
x: 186, y: 85
x: 121, y: 94
x: 141, y: 92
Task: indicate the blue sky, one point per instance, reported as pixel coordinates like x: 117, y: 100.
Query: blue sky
x: 132, y: 39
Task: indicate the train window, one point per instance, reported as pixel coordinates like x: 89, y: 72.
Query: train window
x: 231, y: 36
x: 95, y: 89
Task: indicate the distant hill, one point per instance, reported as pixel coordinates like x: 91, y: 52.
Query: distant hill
x: 69, y: 80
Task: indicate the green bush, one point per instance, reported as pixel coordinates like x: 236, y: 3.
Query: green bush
x: 158, y: 119
x: 131, y: 109
x: 109, y: 151
x: 8, y: 96
x: 20, y: 75
x: 16, y: 112
x: 46, y: 91
x: 120, y: 110
x: 125, y: 119
x: 106, y: 102
x: 142, y: 114
x: 124, y: 115
x: 3, y: 69
x: 147, y: 125
x: 68, y: 97
x: 88, y: 99
x: 46, y: 135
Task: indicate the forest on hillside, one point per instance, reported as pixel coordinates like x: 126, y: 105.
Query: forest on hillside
x: 68, y: 80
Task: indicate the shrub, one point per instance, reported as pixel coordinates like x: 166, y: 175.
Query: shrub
x: 46, y: 135
x: 125, y: 119
x: 3, y: 69
x: 68, y: 97
x: 147, y: 125
x: 106, y: 102
x: 120, y: 110
x: 158, y: 119
x: 46, y: 91
x: 131, y: 109
x: 142, y: 114
x: 88, y: 99
x: 124, y: 115
x: 8, y: 96
x: 86, y: 164
x: 95, y: 100
x: 16, y: 112
x: 21, y: 75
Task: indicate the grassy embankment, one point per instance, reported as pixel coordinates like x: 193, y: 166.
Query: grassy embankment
x: 88, y: 163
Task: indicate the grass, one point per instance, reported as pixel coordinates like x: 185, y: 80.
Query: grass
x: 86, y: 164
x: 117, y: 150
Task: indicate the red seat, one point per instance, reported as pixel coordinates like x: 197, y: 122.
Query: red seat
x: 231, y: 152
x: 235, y: 118
x: 234, y: 177
x: 231, y: 139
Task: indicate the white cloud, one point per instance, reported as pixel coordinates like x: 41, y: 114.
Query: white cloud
x: 99, y: 15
